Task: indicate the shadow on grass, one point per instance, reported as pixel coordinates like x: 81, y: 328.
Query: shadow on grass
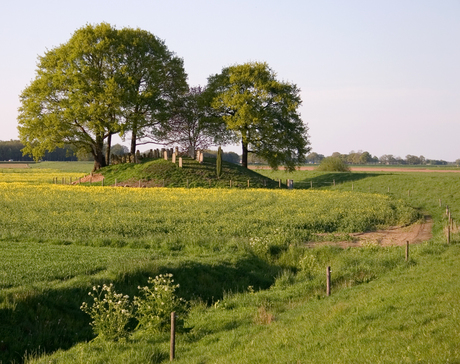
x: 328, y: 179
x: 37, y: 321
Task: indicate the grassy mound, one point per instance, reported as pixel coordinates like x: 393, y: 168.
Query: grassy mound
x: 159, y: 173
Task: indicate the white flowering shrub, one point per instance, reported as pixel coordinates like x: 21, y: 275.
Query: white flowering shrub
x: 157, y: 301
x: 110, y: 312
x: 270, y: 244
x: 260, y: 246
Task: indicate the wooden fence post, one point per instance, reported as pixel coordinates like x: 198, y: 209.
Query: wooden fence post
x: 187, y: 182
x: 172, y: 349
x: 248, y: 183
x: 311, y: 184
x: 230, y: 183
x: 407, y: 251
x: 328, y: 281
x: 279, y: 182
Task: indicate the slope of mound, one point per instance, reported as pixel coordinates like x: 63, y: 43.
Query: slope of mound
x: 159, y: 173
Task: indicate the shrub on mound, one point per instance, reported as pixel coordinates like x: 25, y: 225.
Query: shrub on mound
x: 333, y: 164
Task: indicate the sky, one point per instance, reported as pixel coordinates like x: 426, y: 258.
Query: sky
x: 377, y: 76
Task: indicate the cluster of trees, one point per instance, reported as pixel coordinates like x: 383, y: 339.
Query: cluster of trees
x: 361, y: 157
x: 231, y: 157
x: 105, y: 81
x: 410, y: 160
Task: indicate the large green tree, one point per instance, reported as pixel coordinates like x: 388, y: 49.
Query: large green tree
x: 101, y: 82
x: 153, y: 79
x: 262, y: 112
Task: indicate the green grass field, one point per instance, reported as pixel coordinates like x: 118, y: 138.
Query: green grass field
x: 257, y: 292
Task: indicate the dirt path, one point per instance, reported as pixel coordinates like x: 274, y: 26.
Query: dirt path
x: 12, y: 165
x: 94, y: 178
x: 414, y: 234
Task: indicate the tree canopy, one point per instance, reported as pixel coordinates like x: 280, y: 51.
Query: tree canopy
x: 262, y: 112
x: 101, y: 82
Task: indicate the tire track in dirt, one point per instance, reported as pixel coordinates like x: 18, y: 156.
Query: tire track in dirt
x: 414, y: 234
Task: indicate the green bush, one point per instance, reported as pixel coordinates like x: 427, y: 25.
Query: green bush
x: 333, y: 164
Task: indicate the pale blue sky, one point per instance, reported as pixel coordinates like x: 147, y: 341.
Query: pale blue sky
x: 381, y: 76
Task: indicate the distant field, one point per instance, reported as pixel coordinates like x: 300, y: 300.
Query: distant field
x: 77, y: 167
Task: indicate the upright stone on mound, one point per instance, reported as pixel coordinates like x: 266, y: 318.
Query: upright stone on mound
x: 174, y: 158
x: 180, y: 162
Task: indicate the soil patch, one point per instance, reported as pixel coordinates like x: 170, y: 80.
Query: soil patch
x: 414, y: 234
x: 15, y: 166
x: 96, y: 177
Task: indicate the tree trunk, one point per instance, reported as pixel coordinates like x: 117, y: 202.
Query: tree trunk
x: 244, y: 157
x: 99, y: 162
x: 98, y: 154
x: 107, y: 152
x: 133, y: 141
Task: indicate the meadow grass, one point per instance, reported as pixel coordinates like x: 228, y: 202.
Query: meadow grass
x: 427, y: 192
x: 377, y: 313
x: 250, y: 303
x: 83, y: 167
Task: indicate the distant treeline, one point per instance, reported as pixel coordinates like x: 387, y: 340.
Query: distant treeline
x: 226, y: 156
x: 387, y: 159
x: 12, y: 150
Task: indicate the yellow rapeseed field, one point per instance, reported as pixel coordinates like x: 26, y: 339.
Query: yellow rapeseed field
x: 102, y: 215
